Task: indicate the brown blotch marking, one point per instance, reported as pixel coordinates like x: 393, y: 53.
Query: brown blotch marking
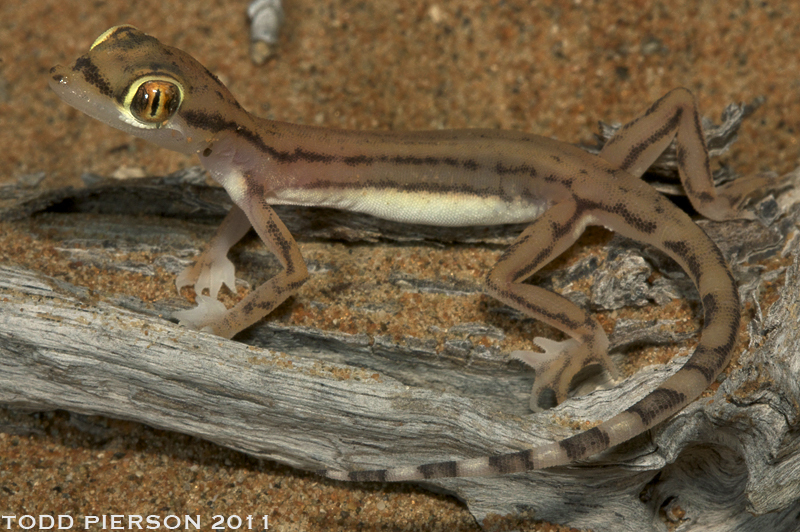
x: 92, y: 75
x: 637, y: 222
x: 711, y: 360
x: 533, y: 264
x: 680, y: 157
x: 295, y: 285
x: 660, y: 401
x: 637, y: 149
x: 439, y: 470
x: 255, y: 189
x: 367, y: 476
x: 585, y: 444
x: 720, y: 258
x: 655, y: 105
x: 682, y: 250
x: 708, y: 373
x: 261, y: 305
x: 470, y: 164
x: 709, y: 308
x: 558, y: 317
x: 513, y: 247
x: 511, y: 463
x: 502, y: 169
x: 283, y: 244
x: 357, y: 160
x: 557, y: 232
x: 698, y: 131
x: 705, y: 197
x: 566, y: 181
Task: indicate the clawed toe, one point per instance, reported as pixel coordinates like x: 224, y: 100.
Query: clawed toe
x: 208, y: 310
x: 557, y: 367
x: 208, y: 275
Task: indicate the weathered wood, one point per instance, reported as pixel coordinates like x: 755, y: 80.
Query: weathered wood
x: 313, y: 399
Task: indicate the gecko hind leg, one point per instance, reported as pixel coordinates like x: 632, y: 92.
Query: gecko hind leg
x: 638, y: 144
x: 558, y: 367
x: 546, y: 238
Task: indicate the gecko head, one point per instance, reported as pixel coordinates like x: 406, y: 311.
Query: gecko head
x: 133, y: 82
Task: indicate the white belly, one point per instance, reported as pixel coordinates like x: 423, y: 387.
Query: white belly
x: 428, y: 208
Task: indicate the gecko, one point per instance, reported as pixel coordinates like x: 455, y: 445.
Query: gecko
x: 133, y: 82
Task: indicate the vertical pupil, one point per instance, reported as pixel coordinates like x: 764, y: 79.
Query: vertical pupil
x: 154, y: 104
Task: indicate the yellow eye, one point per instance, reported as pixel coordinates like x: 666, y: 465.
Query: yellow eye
x: 155, y: 101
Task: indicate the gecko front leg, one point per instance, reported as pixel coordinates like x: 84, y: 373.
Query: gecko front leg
x: 211, y: 270
x: 210, y: 315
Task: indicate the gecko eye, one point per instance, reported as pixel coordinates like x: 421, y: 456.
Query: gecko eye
x: 155, y: 101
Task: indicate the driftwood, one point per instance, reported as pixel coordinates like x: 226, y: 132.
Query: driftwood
x: 313, y: 399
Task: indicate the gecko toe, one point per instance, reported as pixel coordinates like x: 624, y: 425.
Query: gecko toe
x: 207, y: 311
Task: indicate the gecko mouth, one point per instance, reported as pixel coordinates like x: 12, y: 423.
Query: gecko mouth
x: 59, y: 82
x: 55, y: 73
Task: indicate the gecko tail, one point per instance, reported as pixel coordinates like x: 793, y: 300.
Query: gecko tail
x: 660, y: 404
x: 542, y: 457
